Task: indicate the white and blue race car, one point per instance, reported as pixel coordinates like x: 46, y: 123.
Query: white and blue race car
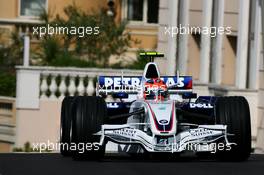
x: 155, y: 114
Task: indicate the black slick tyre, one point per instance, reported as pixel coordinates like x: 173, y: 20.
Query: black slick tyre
x: 65, y: 126
x: 234, y: 112
x: 89, y: 114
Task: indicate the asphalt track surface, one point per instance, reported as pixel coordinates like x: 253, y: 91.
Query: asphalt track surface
x: 49, y: 164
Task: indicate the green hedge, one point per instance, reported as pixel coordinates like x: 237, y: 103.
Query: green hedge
x: 66, y: 60
x: 7, y: 84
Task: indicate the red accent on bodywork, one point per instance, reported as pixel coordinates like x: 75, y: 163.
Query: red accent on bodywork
x: 189, y: 86
x: 155, y: 118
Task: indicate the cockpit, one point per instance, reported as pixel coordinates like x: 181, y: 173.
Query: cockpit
x: 151, y: 71
x: 155, y: 89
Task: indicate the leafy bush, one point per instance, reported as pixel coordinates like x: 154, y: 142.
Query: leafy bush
x: 94, y: 49
x: 7, y: 84
x: 66, y: 60
x: 51, y: 48
x: 10, y: 55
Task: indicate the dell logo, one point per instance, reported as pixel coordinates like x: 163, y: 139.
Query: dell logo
x: 200, y: 105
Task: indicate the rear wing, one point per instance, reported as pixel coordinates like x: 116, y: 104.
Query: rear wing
x: 132, y: 84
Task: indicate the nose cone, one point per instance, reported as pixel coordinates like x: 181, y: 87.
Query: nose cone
x: 163, y: 117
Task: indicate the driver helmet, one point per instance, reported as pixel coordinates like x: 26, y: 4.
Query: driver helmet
x: 155, y: 89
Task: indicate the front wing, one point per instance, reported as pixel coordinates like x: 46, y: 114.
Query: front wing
x: 191, y: 139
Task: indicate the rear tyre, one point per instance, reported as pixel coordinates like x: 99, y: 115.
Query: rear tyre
x: 89, y: 114
x: 234, y: 112
x: 65, y: 127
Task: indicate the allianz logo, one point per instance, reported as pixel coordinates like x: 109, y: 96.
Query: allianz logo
x: 201, y: 105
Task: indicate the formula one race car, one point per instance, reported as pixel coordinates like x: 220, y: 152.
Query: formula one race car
x: 155, y: 114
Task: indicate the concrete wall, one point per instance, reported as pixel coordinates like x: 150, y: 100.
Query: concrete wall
x: 8, y: 9
x: 7, y: 123
x: 195, y: 19
x: 39, y: 125
x: 230, y: 18
x: 260, y: 136
x: 42, y: 126
x: 5, y: 147
x: 195, y: 13
x: 229, y: 60
x: 193, y: 67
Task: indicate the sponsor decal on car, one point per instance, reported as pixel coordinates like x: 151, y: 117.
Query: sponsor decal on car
x: 164, y: 122
x: 201, y: 105
x: 112, y: 105
x: 185, y: 82
x: 163, y: 141
x: 125, y: 132
x: 201, y: 132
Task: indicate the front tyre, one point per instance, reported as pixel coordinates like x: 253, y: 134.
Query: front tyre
x: 65, y: 127
x: 234, y: 112
x: 89, y: 114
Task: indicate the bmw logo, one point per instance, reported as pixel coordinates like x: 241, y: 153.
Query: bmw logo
x: 164, y: 122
